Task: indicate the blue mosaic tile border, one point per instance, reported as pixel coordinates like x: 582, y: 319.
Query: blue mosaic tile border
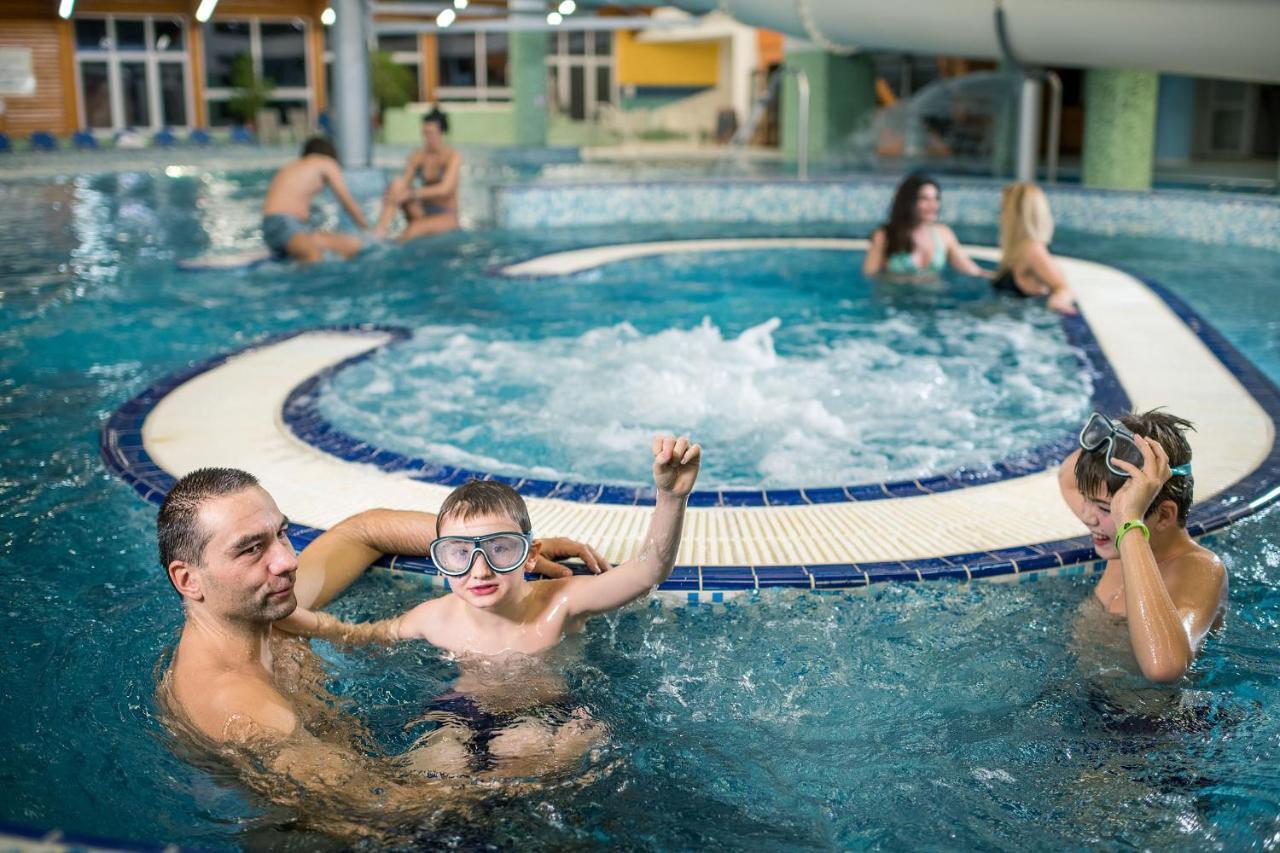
x: 123, y: 452
x: 1239, y: 220
x: 302, y: 416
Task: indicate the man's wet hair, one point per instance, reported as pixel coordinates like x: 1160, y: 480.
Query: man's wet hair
x: 484, y: 497
x: 438, y: 117
x: 1094, y: 478
x: 178, y: 527
x: 320, y: 145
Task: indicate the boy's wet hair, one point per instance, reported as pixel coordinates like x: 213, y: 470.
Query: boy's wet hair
x: 1094, y: 478
x: 320, y: 145
x: 484, y: 497
x: 438, y: 116
x: 180, y: 534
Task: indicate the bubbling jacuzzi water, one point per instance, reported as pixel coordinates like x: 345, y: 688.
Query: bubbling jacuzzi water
x: 860, y: 383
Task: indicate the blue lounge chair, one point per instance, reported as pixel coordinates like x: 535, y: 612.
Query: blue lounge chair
x: 164, y: 138
x: 5, y: 144
x: 326, y: 126
x: 199, y: 136
x: 84, y: 140
x: 242, y: 134
x: 42, y: 140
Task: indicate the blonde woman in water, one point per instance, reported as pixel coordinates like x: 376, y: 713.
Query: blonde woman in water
x: 1026, y: 267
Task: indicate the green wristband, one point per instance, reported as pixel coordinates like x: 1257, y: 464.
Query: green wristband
x: 1136, y: 524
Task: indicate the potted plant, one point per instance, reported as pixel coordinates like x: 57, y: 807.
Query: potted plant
x: 251, y: 91
x: 393, y: 85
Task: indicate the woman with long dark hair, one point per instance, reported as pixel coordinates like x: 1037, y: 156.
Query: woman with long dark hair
x: 913, y: 243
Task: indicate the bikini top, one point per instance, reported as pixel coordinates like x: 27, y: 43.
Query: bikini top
x: 904, y: 263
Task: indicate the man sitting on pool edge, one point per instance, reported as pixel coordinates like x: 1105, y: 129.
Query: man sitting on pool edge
x: 1131, y: 484
x: 233, y: 683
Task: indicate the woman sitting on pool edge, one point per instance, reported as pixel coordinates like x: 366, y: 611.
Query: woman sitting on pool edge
x: 1026, y: 267
x: 913, y: 245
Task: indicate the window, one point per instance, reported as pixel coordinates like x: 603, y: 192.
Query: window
x: 131, y: 72
x: 580, y: 72
x: 277, y: 50
x: 472, y: 67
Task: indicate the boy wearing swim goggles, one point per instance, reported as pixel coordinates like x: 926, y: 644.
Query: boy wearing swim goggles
x: 484, y: 546
x: 1130, y: 483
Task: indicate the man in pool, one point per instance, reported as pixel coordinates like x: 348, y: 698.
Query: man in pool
x: 484, y: 545
x: 1131, y: 484
x: 235, y: 683
x: 431, y: 208
x: 287, y: 209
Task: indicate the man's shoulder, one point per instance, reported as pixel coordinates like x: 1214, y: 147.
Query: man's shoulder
x: 231, y: 704
x: 252, y: 703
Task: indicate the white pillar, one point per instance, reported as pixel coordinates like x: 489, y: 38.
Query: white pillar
x: 1028, y: 148
x: 351, y: 83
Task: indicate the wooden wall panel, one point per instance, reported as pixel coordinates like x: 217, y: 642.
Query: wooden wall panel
x: 47, y: 109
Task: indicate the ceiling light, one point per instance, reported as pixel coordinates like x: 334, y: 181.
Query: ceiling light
x: 328, y: 16
x: 205, y: 11
x: 446, y: 17
x: 554, y: 18
x: 64, y: 8
x: 567, y: 7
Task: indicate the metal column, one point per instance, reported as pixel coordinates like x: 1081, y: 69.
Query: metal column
x: 351, y: 84
x: 1028, y: 147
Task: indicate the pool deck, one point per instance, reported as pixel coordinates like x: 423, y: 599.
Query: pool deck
x: 255, y: 409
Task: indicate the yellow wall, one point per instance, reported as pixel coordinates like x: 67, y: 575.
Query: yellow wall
x: 694, y: 63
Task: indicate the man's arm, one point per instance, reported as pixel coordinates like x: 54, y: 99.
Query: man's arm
x: 341, y: 554
x: 333, y: 176
x: 448, y: 182
x: 334, y: 786
x: 675, y: 469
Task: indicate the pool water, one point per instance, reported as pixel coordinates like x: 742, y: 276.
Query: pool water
x: 771, y: 359
x: 937, y: 715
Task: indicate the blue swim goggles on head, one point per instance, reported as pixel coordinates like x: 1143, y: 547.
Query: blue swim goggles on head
x: 504, y: 552
x: 1118, y: 438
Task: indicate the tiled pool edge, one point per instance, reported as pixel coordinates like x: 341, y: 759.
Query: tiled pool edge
x: 1236, y: 220
x: 123, y: 452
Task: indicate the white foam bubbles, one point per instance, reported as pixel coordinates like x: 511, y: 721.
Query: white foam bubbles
x: 862, y: 402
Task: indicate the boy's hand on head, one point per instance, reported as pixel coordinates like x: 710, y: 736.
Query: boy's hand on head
x: 1133, y: 499
x: 567, y: 549
x: 675, y: 464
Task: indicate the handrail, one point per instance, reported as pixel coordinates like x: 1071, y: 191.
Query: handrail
x: 744, y: 133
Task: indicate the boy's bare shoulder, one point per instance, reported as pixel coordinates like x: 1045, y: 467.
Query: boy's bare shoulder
x: 1199, y: 573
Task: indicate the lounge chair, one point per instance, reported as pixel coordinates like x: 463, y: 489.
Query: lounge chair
x: 42, y: 140
x: 243, y: 135
x: 84, y: 140
x: 164, y: 138
x: 199, y: 136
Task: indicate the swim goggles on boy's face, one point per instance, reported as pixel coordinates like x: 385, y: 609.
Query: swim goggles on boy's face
x: 504, y: 552
x: 1118, y: 438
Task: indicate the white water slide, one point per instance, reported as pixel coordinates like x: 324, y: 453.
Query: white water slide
x: 1238, y: 39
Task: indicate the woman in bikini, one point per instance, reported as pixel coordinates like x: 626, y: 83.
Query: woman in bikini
x: 432, y: 207
x: 1026, y: 267
x: 913, y: 245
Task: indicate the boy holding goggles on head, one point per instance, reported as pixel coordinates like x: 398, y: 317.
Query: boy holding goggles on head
x: 1131, y: 484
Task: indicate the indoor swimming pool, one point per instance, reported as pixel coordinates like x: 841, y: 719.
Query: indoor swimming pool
x: 953, y: 714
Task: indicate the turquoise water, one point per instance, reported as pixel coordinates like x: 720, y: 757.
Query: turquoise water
x: 928, y: 716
